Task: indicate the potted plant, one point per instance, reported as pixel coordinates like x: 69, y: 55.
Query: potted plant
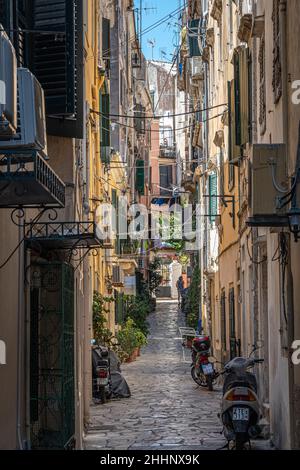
x: 127, y: 339
x: 141, y: 340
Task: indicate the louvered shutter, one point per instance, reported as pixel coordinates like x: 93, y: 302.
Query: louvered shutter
x: 105, y: 127
x: 140, y: 177
x: 223, y: 320
x: 236, y: 108
x: 213, y: 192
x: 234, y: 149
x: 105, y: 38
x: 5, y: 14
x: 193, y: 38
x: 139, y: 119
x: 54, y: 54
x: 245, y: 103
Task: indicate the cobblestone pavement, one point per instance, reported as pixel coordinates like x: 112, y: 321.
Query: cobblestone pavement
x: 167, y: 409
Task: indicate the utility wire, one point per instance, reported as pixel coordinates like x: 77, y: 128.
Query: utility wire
x: 161, y: 116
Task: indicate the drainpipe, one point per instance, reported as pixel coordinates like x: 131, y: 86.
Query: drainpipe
x: 20, y: 342
x: 285, y: 122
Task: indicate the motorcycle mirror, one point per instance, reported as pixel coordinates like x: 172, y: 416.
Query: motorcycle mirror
x: 212, y: 360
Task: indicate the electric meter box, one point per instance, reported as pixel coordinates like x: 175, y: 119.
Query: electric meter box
x: 268, y: 171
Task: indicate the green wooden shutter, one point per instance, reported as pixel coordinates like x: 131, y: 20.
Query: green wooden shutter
x: 193, y: 38
x: 213, y: 192
x: 105, y: 127
x: 140, y: 177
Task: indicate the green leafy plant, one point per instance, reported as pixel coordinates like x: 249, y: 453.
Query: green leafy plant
x: 127, y: 337
x: 193, y: 298
x: 101, y: 309
x: 141, y: 338
x: 138, y: 308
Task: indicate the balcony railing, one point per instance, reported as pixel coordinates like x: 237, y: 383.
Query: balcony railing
x: 63, y: 235
x: 166, y: 151
x: 27, y: 180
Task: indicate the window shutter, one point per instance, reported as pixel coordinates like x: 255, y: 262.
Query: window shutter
x: 233, y: 150
x: 5, y: 15
x: 213, y: 192
x: 139, y: 119
x: 237, y: 104
x: 245, y: 103
x: 105, y: 39
x: 223, y: 320
x: 105, y: 127
x: 54, y: 54
x: 165, y: 176
x: 193, y: 38
x: 140, y: 177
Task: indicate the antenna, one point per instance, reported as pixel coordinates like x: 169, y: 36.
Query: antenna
x: 152, y: 44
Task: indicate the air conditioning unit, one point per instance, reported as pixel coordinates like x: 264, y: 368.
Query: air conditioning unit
x: 197, y: 68
x: 8, y: 86
x: 31, y: 129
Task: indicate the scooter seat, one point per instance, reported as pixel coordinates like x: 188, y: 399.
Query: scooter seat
x: 232, y: 381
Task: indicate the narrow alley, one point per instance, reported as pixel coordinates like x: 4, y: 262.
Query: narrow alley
x: 167, y: 409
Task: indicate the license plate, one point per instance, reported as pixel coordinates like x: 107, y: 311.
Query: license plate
x: 240, y: 414
x: 102, y: 381
x: 207, y: 369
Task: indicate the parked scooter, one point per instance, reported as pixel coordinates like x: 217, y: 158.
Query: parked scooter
x: 240, y: 409
x: 101, y: 373
x: 203, y: 372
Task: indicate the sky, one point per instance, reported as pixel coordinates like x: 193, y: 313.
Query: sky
x: 165, y: 37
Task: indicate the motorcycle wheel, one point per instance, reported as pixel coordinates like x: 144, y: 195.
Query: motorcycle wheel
x: 239, y: 443
x: 209, y: 380
x: 200, y: 380
x: 102, y: 395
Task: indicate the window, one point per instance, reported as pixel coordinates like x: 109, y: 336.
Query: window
x: 277, y: 76
x: 165, y: 178
x: 105, y: 126
x: 233, y: 343
x: 140, y: 177
x: 139, y: 119
x: 213, y: 192
x: 262, y: 87
x: 223, y: 320
x: 106, y: 41
x: 54, y: 56
x: 193, y: 26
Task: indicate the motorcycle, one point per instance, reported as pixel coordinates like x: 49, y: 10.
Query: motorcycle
x: 101, y: 373
x: 202, y: 369
x: 240, y: 409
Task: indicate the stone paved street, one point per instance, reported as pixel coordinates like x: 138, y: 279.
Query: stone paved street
x: 167, y: 409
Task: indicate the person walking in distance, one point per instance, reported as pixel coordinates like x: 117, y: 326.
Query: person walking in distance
x: 180, y: 287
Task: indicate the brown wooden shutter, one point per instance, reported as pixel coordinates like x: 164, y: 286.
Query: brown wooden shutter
x: 245, y: 105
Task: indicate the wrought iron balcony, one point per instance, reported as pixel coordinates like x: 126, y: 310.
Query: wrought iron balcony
x: 166, y: 151
x: 27, y: 180
x: 63, y: 235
